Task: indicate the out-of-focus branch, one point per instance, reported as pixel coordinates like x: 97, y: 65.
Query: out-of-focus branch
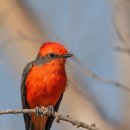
x: 44, y: 112
x: 125, y: 50
x: 121, y: 22
x: 7, y: 12
x: 25, y: 36
x: 90, y: 74
x: 107, y: 81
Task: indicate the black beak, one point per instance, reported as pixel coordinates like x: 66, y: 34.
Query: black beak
x: 67, y: 55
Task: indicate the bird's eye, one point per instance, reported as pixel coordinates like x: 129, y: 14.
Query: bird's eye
x: 52, y: 55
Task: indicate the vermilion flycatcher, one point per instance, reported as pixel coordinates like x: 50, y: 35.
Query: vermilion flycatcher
x: 43, y: 83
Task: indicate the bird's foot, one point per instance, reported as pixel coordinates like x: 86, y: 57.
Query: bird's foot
x: 50, y: 110
x: 40, y: 111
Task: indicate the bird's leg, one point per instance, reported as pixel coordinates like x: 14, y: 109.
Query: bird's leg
x: 50, y: 110
x: 37, y: 111
x: 43, y: 112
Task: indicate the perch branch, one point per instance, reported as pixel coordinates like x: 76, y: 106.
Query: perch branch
x: 44, y: 112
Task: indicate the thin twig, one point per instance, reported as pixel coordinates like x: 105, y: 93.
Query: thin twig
x: 107, y: 81
x: 44, y: 112
x: 91, y: 74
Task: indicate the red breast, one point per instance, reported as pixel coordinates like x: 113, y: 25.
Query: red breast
x: 46, y: 83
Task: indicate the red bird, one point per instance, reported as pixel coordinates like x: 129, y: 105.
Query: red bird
x: 43, y: 83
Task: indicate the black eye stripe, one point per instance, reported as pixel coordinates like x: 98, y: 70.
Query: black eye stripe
x: 47, y: 58
x: 53, y: 56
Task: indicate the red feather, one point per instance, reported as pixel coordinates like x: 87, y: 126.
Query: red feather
x: 46, y: 83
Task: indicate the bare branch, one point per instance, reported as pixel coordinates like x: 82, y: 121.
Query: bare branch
x: 107, y: 81
x: 18, y: 111
x: 125, y: 50
x: 44, y: 112
x: 90, y: 74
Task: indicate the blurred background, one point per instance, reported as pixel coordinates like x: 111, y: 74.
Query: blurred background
x: 96, y: 32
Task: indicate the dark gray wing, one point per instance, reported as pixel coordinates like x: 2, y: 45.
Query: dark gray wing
x: 27, y: 118
x: 51, y: 119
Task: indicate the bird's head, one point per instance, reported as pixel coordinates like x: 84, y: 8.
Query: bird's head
x: 55, y: 52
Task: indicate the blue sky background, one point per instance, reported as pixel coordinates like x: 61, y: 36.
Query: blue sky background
x: 86, y: 28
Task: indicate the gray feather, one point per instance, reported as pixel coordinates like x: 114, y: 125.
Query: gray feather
x: 27, y: 118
